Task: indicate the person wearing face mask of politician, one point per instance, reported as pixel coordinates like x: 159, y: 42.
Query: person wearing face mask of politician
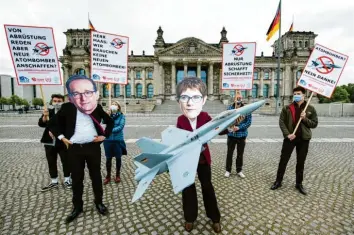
x: 237, y: 136
x: 114, y: 145
x: 191, y: 96
x: 53, y: 146
x: 288, y: 120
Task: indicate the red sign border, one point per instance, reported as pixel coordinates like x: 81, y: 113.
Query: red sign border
x: 13, y: 62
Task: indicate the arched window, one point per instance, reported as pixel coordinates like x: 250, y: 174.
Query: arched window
x: 255, y: 91
x: 116, y: 90
x: 255, y: 75
x: 306, y: 44
x: 74, y: 42
x: 87, y: 42
x: 80, y: 71
x: 150, y: 90
x: 81, y: 42
x: 232, y: 93
x: 243, y: 93
x: 266, y: 90
x: 128, y: 91
x: 294, y: 43
x: 300, y: 44
x: 105, y: 90
x: 139, y: 90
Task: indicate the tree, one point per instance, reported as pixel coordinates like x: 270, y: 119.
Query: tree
x: 350, y: 90
x: 37, y: 102
x: 340, y: 95
x: 24, y: 102
x: 14, y: 100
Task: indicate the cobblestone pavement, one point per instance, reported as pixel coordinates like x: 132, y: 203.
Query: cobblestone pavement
x: 247, y: 205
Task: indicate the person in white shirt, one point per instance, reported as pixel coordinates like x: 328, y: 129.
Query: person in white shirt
x: 77, y: 125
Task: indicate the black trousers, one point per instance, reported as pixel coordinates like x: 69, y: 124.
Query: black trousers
x: 231, y: 144
x: 190, y: 201
x: 51, y: 152
x: 79, y: 154
x: 302, y: 147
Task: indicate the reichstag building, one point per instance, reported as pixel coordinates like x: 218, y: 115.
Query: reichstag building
x: 154, y: 77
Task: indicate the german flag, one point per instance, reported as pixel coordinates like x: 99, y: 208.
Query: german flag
x: 274, y: 27
x: 291, y: 27
x: 91, y: 25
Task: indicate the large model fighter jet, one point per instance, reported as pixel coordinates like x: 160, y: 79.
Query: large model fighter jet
x: 180, y: 150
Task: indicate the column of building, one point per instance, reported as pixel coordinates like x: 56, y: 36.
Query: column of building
x: 185, y: 64
x: 173, y: 80
x: 294, y: 76
x: 132, y: 82
x: 199, y: 69
x: 143, y: 75
x: 272, y: 84
x: 261, y: 81
x: 162, y: 77
x: 210, y: 80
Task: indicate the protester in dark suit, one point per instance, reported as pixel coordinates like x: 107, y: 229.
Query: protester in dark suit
x: 191, y: 95
x: 77, y: 125
x: 53, y: 146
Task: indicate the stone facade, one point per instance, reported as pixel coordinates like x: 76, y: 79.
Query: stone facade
x: 155, y: 76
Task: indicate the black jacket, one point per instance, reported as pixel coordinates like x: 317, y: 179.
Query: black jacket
x: 46, y: 137
x: 64, y: 122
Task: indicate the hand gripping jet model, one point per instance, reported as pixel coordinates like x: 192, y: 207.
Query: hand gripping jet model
x: 180, y: 150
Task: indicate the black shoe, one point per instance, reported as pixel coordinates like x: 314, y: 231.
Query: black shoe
x: 301, y: 189
x: 68, y: 184
x: 276, y: 185
x: 102, y: 209
x: 75, y: 213
x: 50, y: 186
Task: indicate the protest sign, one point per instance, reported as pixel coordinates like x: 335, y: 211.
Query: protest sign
x: 34, y: 55
x: 238, y: 65
x: 109, y: 58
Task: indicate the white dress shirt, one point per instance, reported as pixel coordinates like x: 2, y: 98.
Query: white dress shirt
x: 85, y: 130
x: 193, y: 124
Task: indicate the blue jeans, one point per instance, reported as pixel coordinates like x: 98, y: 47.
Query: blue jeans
x: 113, y: 149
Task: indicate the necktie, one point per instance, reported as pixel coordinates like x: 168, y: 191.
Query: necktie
x: 98, y: 125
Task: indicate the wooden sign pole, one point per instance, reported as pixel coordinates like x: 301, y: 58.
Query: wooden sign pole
x: 42, y: 94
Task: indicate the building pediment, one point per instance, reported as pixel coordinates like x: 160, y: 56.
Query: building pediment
x: 190, y: 47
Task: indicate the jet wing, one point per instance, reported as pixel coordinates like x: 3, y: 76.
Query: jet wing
x: 147, y: 145
x: 151, y: 159
x: 183, y: 167
x: 144, y: 184
x: 173, y: 135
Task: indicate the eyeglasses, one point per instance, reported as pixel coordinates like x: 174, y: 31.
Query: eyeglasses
x: 186, y: 98
x: 87, y: 94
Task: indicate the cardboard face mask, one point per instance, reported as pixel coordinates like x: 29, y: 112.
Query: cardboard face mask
x: 83, y: 95
x: 191, y: 103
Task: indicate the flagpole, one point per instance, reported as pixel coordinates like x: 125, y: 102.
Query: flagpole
x: 278, y: 72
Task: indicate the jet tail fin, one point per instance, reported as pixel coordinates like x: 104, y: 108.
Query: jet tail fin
x: 144, y: 184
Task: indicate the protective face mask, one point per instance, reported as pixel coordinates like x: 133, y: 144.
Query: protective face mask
x: 297, y: 98
x: 57, y: 105
x: 114, y: 108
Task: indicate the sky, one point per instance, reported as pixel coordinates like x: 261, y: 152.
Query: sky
x: 332, y: 21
